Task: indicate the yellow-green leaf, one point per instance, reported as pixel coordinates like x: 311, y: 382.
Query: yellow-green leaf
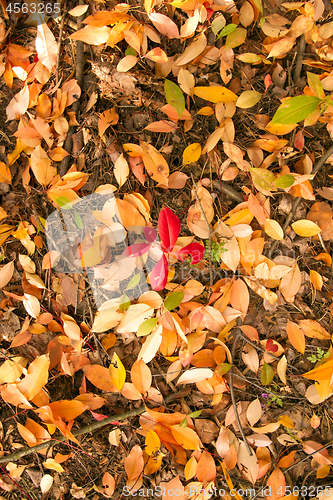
x: 248, y: 99
x: 296, y: 109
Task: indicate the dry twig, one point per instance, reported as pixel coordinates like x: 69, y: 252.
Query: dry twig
x: 88, y: 428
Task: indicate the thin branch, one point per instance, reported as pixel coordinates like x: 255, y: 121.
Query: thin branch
x: 228, y: 190
x: 210, y: 267
x: 61, y: 32
x: 308, y: 456
x: 299, y: 58
x: 88, y: 428
x: 79, y: 65
x: 232, y: 392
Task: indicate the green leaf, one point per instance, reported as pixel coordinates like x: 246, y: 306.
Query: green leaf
x: 195, y: 414
x: 284, y: 181
x: 262, y: 178
x: 64, y: 202
x: 296, y: 109
x: 134, y: 281
x: 130, y: 52
x: 267, y: 374
x: 173, y: 300
x: 227, y: 30
x: 174, y: 96
x: 78, y: 220
x: 124, y: 303
x: 147, y: 327
x: 183, y: 423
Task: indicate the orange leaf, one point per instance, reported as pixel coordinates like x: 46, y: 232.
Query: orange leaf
x: 322, y: 372
x: 276, y: 482
x: 206, y: 469
x: 57, y: 154
x: 141, y: 376
x: 5, y: 174
x: 186, y: 437
x: 316, y: 280
x: 99, y: 377
x: 92, y: 35
x: 109, y: 117
x: 296, y: 336
x: 109, y: 484
x: 239, y: 298
x: 134, y: 465
x: 67, y: 410
x: 313, y: 329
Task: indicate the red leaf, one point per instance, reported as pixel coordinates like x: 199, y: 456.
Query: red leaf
x: 98, y: 416
x: 168, y: 228
x: 159, y: 275
x: 195, y: 250
x: 270, y: 346
x: 268, y: 81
